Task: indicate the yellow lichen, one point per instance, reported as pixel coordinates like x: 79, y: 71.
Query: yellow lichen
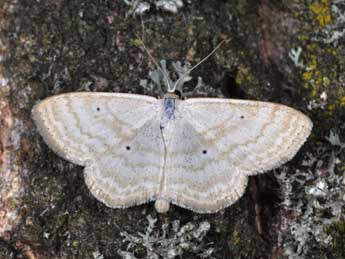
x: 235, y: 237
x: 342, y: 168
x: 75, y: 243
x: 342, y: 101
x: 321, y: 10
x: 314, y: 91
x: 313, y: 61
x: 331, y: 107
x: 303, y: 37
x: 326, y: 81
x: 318, y: 78
x: 315, y: 77
x: 243, y: 75
x: 307, y: 75
x: 137, y: 42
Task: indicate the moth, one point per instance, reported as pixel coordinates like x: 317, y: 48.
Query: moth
x: 195, y: 153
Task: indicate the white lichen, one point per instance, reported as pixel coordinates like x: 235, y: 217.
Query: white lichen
x: 334, y: 139
x: 169, y: 5
x: 319, y: 103
x: 295, y: 56
x: 159, y: 80
x: 139, y: 7
x: 182, y: 72
x: 309, y: 195
x: 334, y: 33
x: 97, y: 255
x: 171, y: 240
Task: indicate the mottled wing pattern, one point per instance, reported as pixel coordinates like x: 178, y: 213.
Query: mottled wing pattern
x: 115, y: 136
x: 219, y: 142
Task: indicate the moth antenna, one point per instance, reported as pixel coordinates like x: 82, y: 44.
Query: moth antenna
x: 201, y: 61
x: 166, y: 77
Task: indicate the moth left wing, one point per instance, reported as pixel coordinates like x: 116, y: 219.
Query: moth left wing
x: 115, y: 136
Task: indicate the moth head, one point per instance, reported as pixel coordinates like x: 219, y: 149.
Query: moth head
x: 171, y: 95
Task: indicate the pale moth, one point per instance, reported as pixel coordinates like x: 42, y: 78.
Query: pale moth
x: 195, y: 153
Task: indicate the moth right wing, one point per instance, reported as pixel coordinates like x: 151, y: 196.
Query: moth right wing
x: 115, y: 136
x: 217, y: 143
x: 253, y: 136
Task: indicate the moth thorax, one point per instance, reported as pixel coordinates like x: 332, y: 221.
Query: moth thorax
x: 162, y: 206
